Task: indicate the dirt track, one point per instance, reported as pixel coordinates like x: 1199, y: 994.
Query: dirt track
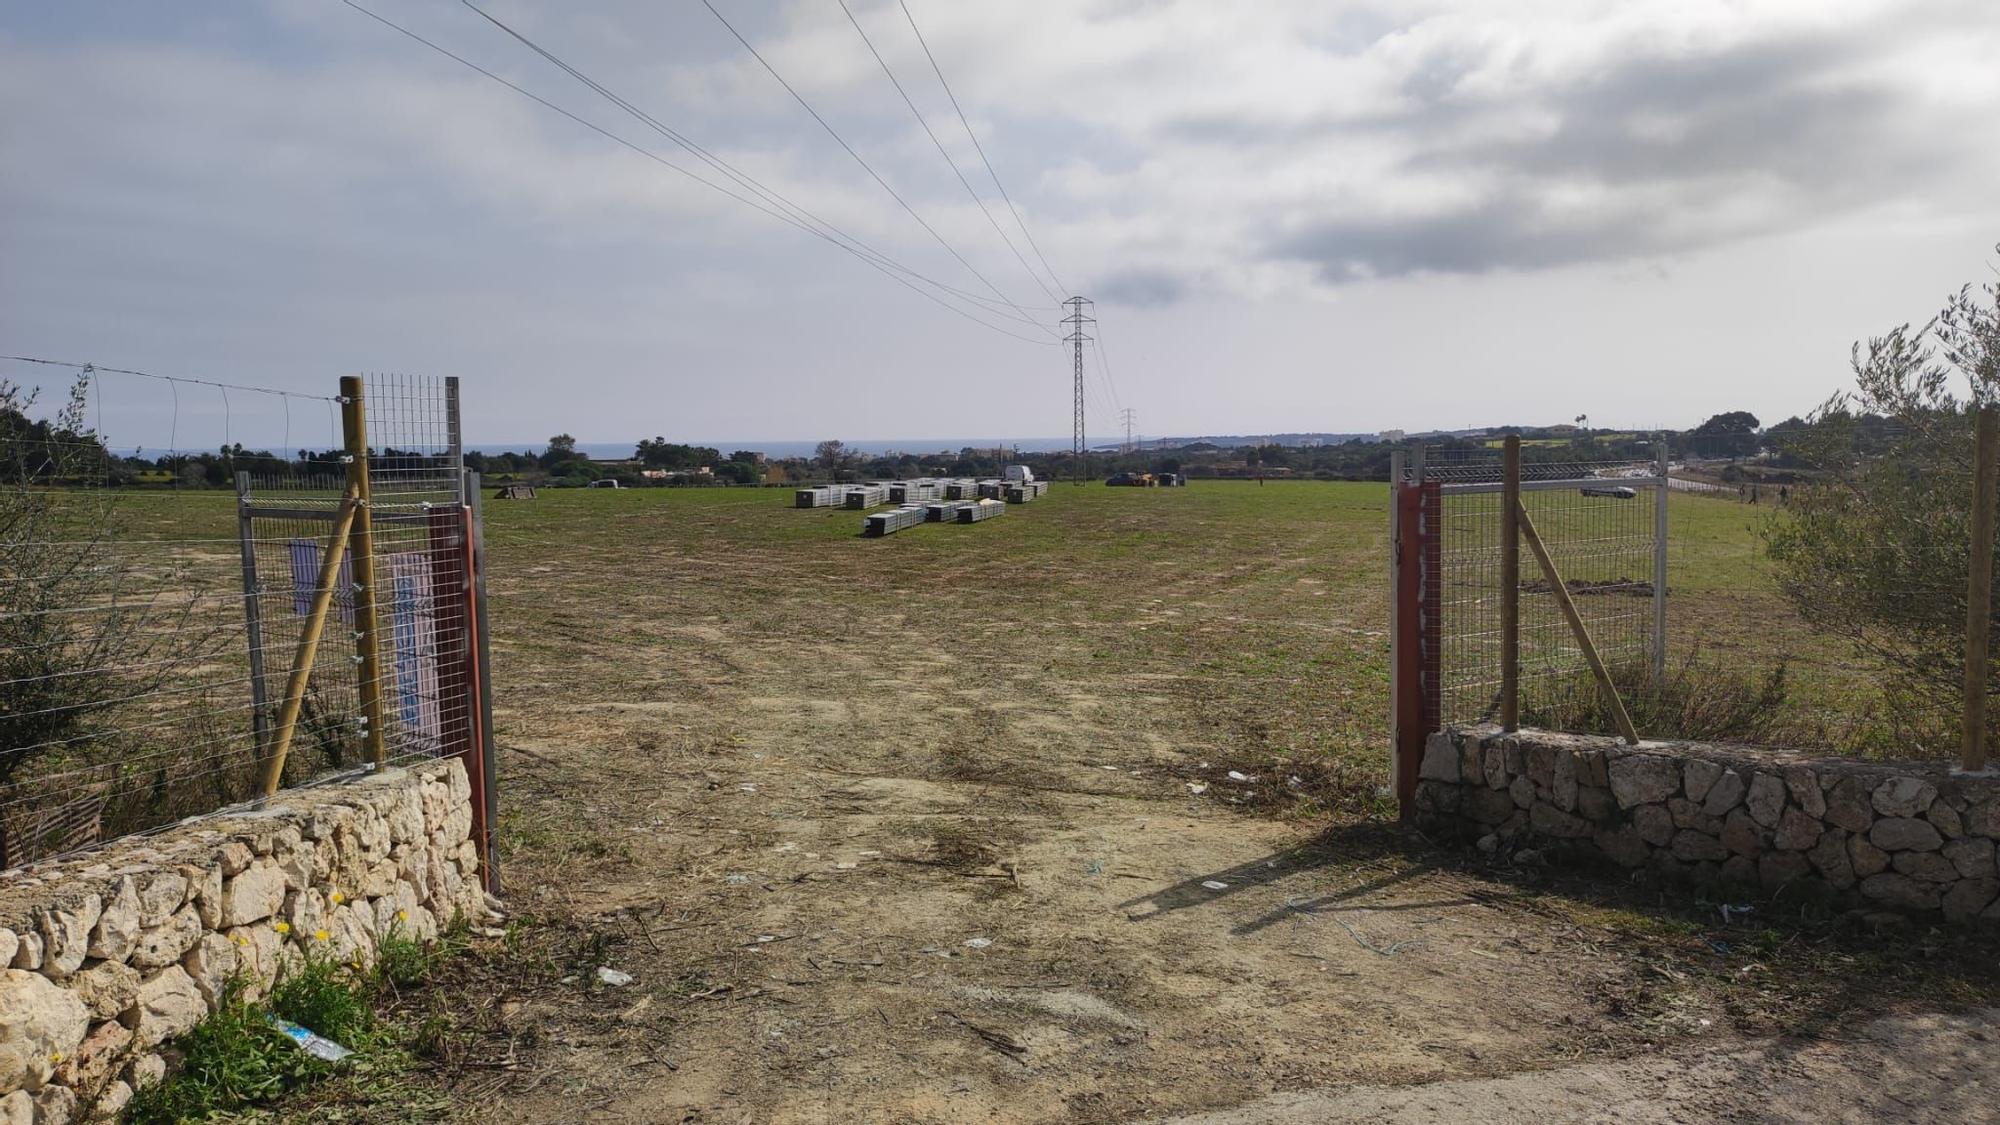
x: 935, y: 857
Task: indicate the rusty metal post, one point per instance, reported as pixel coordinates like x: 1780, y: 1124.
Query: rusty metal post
x: 354, y: 427
x: 1979, y: 589
x: 1510, y: 584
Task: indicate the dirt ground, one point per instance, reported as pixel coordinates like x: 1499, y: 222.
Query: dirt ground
x: 913, y: 832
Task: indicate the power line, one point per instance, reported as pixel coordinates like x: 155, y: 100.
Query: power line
x: 92, y: 367
x: 867, y: 167
x: 885, y: 266
x: 918, y: 114
x: 939, y: 71
x: 747, y: 181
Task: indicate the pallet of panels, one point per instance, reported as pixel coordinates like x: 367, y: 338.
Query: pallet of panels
x: 981, y: 510
x: 1021, y: 493
x: 892, y: 521
x: 992, y: 490
x: 961, y: 490
x: 828, y: 497
x: 863, y: 496
x: 944, y: 511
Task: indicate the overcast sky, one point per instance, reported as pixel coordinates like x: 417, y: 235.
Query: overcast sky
x: 1292, y: 215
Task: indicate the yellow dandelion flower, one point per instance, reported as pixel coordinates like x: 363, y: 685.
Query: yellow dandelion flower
x: 55, y: 1058
x: 402, y: 915
x: 321, y: 935
x: 282, y: 926
x: 337, y: 898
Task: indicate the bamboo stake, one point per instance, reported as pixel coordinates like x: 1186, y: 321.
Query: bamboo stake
x: 308, y: 649
x: 1510, y: 584
x: 1979, y: 590
x: 1568, y: 607
x: 354, y: 426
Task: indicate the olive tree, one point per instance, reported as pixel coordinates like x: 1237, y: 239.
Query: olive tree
x: 1875, y: 549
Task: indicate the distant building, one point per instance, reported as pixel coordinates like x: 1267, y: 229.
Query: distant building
x: 1392, y: 435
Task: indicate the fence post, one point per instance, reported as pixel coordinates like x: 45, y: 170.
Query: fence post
x: 489, y: 864
x: 253, y: 617
x: 1662, y: 492
x: 1397, y: 688
x: 354, y: 428
x: 1510, y: 584
x: 1979, y: 589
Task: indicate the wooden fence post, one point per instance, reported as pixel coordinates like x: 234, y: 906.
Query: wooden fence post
x: 1979, y: 589
x: 354, y: 427
x: 1510, y: 584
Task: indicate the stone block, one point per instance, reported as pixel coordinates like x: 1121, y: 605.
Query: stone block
x: 1804, y: 786
x: 1741, y: 835
x: 108, y: 988
x: 1655, y: 824
x: 1829, y: 856
x: 205, y: 893
x: 1972, y: 857
x: 41, y: 1023
x: 1766, y: 799
x: 1901, y: 891
x: 1488, y: 806
x: 86, y: 1069
x: 55, y: 1105
x: 252, y: 895
x: 1542, y: 765
x: 160, y: 895
x: 1797, y: 831
x: 117, y: 929
x: 27, y: 952
x: 1641, y: 779
x: 1724, y: 794
x: 1739, y: 871
x: 10, y: 945
x: 1523, y: 792
x: 169, y: 1004
x: 1493, y: 767
x: 1621, y: 845
x: 1983, y: 819
x: 1946, y: 820
x: 1596, y: 805
x: 1698, y: 776
x: 1903, y: 797
x: 211, y: 964
x: 1902, y: 833
x: 1849, y: 806
x: 235, y: 857
x: 165, y: 944
x: 1688, y: 814
x: 1440, y: 764
x: 1551, y: 821
x: 66, y: 931
x: 1690, y: 846
x: 1777, y: 870
x: 1866, y: 858
x: 1966, y: 899
x: 17, y: 1108
x: 1563, y: 785
x: 1925, y: 867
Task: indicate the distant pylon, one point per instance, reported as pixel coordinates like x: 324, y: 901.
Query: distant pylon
x: 1076, y: 319
x: 1128, y: 412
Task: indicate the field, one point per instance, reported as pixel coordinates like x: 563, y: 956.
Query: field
x: 942, y: 827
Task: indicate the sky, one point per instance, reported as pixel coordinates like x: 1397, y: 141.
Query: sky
x: 1291, y: 216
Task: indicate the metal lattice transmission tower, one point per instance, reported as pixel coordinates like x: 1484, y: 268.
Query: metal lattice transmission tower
x: 1129, y: 414
x: 1077, y: 337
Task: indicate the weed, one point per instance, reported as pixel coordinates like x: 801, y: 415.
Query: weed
x: 234, y: 1058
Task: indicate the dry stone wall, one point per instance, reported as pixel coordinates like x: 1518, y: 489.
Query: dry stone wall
x: 1912, y: 837
x: 104, y: 959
